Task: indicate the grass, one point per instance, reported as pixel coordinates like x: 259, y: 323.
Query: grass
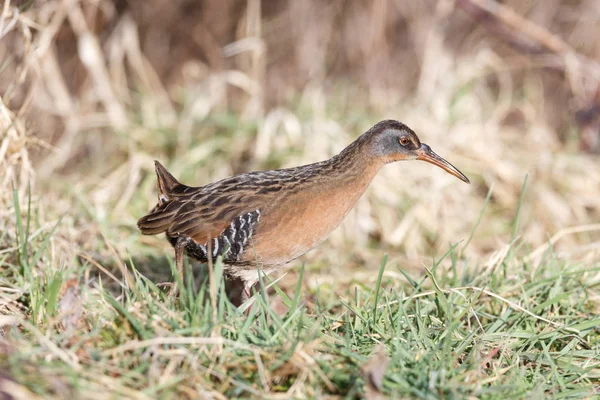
x: 507, y: 329
x: 430, y: 288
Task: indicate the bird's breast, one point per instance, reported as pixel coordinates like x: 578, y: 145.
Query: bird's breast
x: 298, y: 222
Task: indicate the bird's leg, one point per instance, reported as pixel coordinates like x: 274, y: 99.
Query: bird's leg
x: 246, y: 294
x: 179, y: 249
x: 239, y: 290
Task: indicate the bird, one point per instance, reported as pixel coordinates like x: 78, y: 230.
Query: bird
x: 262, y: 220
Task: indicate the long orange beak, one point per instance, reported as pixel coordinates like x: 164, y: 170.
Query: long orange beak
x: 426, y: 154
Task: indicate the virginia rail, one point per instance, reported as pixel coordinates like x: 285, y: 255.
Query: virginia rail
x: 268, y: 218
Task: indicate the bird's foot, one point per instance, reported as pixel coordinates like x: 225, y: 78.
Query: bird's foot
x: 173, y: 291
x: 164, y: 284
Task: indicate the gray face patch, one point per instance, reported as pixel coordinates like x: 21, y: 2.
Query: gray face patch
x: 388, y: 143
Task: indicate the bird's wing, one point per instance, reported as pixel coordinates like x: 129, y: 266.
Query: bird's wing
x: 203, y: 215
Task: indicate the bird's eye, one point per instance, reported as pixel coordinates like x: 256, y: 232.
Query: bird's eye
x: 404, y: 141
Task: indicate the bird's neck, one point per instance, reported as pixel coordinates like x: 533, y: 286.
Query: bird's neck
x: 352, y: 169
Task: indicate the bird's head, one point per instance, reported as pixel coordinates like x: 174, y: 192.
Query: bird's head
x: 392, y: 141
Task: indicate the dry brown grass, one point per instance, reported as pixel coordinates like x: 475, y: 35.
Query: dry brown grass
x: 89, y: 100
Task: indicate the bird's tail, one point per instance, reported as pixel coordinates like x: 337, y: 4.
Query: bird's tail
x: 161, y: 216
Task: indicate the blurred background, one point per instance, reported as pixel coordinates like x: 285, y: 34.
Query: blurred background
x: 93, y: 91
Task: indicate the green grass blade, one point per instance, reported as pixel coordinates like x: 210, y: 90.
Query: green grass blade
x: 378, y: 287
x: 480, y: 218
x: 52, y: 293
x: 135, y: 324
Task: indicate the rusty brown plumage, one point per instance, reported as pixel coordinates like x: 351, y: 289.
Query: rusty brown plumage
x: 268, y: 218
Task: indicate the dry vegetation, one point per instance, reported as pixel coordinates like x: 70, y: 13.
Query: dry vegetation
x: 92, y: 91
